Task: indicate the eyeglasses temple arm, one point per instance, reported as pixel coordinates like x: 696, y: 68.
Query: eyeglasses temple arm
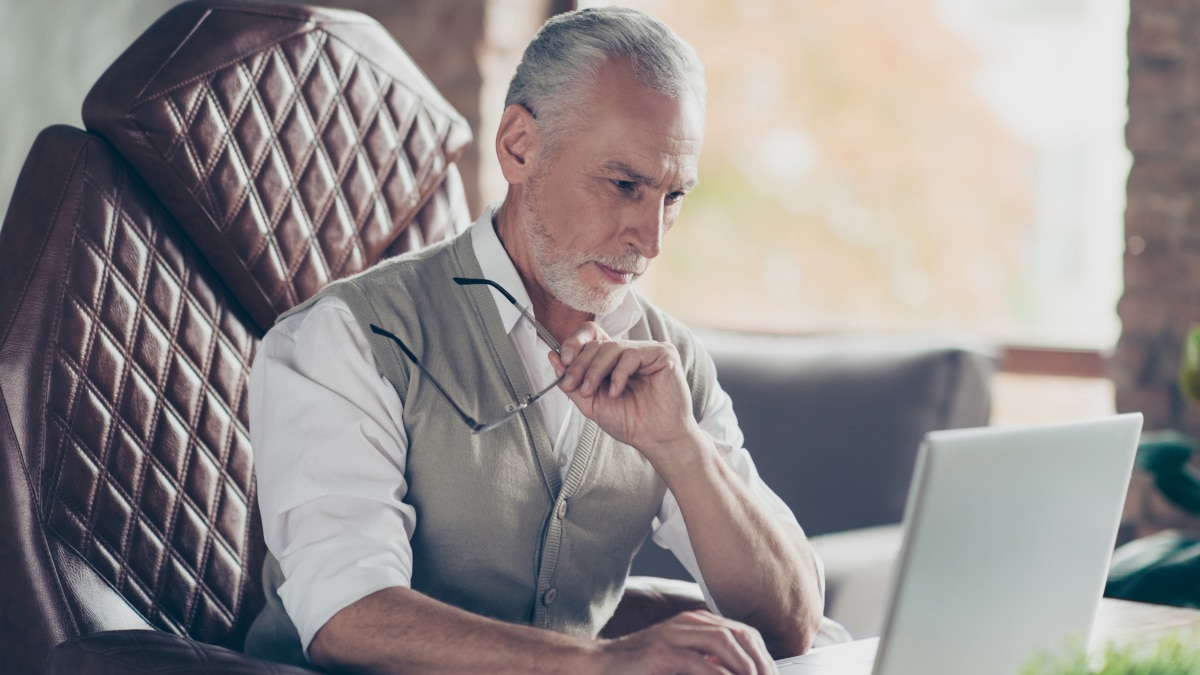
x: 471, y: 421
x: 466, y: 281
x: 541, y: 330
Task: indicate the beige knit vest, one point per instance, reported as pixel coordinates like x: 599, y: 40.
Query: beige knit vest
x: 498, y: 532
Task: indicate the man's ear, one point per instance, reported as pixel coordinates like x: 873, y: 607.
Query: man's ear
x: 518, y: 144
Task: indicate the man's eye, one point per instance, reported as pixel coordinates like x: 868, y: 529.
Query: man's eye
x: 675, y: 197
x: 625, y: 185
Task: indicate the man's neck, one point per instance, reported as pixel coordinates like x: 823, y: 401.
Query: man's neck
x: 558, y: 318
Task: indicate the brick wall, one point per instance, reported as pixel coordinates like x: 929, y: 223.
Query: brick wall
x: 1162, y: 224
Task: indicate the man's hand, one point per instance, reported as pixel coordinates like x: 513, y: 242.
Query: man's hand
x: 691, y: 642
x: 635, y: 391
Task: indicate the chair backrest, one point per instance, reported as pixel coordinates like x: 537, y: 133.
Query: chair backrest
x: 241, y: 155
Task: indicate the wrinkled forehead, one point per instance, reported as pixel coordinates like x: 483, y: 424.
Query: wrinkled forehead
x: 657, y: 151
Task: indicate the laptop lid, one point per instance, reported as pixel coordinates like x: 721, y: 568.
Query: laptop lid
x: 1008, y: 536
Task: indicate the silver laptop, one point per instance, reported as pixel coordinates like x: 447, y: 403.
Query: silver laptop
x: 1008, y: 536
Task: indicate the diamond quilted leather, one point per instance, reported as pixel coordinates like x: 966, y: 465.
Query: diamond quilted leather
x: 295, y: 153
x: 444, y: 212
x: 148, y: 467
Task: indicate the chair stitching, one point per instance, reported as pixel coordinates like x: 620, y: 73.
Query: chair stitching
x: 173, y: 518
x: 171, y: 57
x: 243, y: 390
x: 318, y: 149
x: 185, y: 122
x: 275, y: 145
x: 184, y: 295
x: 58, y: 536
x: 211, y: 512
x: 302, y: 161
x: 426, y: 171
x: 48, y: 479
x: 240, y: 596
x: 85, y: 357
x: 150, y: 317
x: 205, y: 74
x: 80, y: 152
x: 122, y: 180
x: 151, y: 457
x: 375, y: 114
x: 154, y: 459
x: 237, y: 114
x: 191, y: 81
x: 446, y: 110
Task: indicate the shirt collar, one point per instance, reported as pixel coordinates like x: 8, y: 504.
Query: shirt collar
x: 497, y: 266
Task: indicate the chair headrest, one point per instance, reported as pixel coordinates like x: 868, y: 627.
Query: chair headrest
x: 293, y: 144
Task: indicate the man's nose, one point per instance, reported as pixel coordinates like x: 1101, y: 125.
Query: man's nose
x: 645, y: 232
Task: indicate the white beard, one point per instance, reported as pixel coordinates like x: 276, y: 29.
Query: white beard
x: 559, y: 268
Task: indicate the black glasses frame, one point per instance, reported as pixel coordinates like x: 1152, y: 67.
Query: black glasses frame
x: 477, y: 426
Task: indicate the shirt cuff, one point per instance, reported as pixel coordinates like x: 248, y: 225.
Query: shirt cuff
x: 340, y: 584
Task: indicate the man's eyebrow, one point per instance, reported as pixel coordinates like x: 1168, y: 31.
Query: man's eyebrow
x: 638, y: 177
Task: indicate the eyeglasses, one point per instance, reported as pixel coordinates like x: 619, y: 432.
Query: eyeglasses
x: 478, y: 427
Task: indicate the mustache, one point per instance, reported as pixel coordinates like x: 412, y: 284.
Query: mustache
x: 630, y: 262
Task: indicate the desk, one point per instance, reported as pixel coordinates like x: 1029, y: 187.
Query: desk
x: 1121, y: 622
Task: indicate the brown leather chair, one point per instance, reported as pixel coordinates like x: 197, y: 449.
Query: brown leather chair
x: 238, y: 156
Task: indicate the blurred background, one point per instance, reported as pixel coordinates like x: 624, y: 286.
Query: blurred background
x: 1023, y: 170
x: 884, y: 165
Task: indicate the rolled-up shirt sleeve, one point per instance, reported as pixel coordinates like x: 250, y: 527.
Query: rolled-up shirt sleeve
x: 719, y: 421
x: 330, y: 450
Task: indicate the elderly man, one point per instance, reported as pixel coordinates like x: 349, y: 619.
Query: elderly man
x: 408, y: 535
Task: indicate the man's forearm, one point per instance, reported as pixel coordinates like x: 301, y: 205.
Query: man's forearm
x: 759, y: 568
x: 401, y: 630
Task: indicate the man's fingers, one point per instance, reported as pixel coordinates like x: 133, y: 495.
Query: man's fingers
x: 747, y: 638
x: 751, y: 641
x: 587, y: 333
x: 712, y: 635
x: 579, y: 367
x: 753, y: 644
x: 605, y: 356
x: 630, y: 362
x: 593, y: 366
x: 656, y: 650
x: 612, y: 364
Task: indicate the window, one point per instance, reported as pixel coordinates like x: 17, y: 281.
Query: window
x: 905, y: 165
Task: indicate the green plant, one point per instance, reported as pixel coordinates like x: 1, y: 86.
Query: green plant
x: 1189, y: 370
x: 1165, y: 454
x: 1172, y: 655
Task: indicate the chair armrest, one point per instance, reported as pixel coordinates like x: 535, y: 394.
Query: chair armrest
x: 651, y: 600
x: 148, y: 651
x: 859, y: 565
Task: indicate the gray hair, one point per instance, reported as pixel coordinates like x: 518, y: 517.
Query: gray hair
x: 569, y: 49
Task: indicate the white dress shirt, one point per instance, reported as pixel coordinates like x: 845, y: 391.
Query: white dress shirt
x: 330, y: 446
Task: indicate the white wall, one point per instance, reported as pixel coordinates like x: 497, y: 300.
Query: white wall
x: 51, y: 51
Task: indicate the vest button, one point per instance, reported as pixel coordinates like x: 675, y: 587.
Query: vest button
x: 562, y: 509
x: 550, y: 595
